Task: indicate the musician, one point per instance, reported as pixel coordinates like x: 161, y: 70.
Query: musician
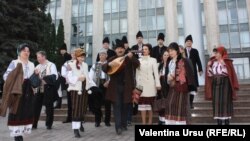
x: 100, y: 81
x: 105, y: 46
x: 77, y: 77
x: 139, y: 45
x: 121, y: 85
x: 158, y: 50
x: 47, y: 93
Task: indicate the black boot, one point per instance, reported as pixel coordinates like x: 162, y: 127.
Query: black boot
x: 58, y: 103
x: 16, y: 138
x: 81, y: 128
x: 227, y: 122
x: 219, y: 122
x: 191, y: 101
x: 77, y: 134
x: 20, y: 138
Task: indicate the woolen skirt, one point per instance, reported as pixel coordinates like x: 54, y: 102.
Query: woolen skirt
x: 176, y: 105
x: 79, y: 105
x: 222, y: 98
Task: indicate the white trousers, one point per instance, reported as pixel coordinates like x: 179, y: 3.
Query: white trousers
x: 76, y: 125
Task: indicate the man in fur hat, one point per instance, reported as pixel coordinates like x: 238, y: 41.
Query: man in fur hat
x: 160, y: 48
x: 125, y: 42
x: 139, y: 45
x: 121, y: 85
x: 193, y: 55
x: 105, y: 45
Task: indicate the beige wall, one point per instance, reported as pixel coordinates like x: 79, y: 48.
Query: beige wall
x: 212, y: 24
x: 170, y: 11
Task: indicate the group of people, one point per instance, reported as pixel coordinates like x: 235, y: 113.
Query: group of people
x: 160, y: 72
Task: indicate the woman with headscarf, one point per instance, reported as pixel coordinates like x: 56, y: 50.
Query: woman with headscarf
x: 18, y: 98
x: 224, y: 84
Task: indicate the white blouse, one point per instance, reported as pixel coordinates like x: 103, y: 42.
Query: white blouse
x: 218, y: 69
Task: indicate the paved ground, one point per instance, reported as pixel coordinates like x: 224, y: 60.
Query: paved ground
x: 63, y: 132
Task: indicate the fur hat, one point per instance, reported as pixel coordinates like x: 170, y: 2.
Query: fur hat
x: 118, y: 43
x: 63, y: 47
x: 80, y: 52
x: 161, y: 36
x: 106, y: 40
x: 189, y: 37
x: 124, y: 40
x: 139, y: 34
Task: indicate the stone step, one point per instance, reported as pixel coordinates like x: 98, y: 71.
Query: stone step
x: 237, y: 103
x: 196, y: 119
x: 204, y: 119
x: 243, y: 96
x: 209, y: 111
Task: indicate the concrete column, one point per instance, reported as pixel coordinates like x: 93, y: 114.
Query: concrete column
x: 133, y: 21
x: 170, y: 12
x: 193, y: 26
x: 212, y: 24
x: 97, y: 27
x: 66, y: 8
x: 248, y: 10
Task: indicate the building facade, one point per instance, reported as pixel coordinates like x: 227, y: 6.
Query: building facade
x: 211, y: 22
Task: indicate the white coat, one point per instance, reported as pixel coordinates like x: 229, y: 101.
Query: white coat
x: 147, y: 76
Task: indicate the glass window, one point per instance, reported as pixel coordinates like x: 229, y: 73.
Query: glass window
x: 233, y: 21
x: 150, y: 3
x: 160, y: 22
x: 115, y: 18
x: 107, y: 27
x: 107, y: 6
x: 115, y: 26
x: 245, y: 39
x: 75, y: 10
x: 151, y: 19
x: 123, y: 25
x: 224, y: 38
x: 115, y: 6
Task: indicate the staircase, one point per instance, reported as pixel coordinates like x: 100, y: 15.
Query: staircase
x: 201, y: 114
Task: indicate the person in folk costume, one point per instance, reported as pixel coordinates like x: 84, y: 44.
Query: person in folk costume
x: 125, y: 42
x: 121, y: 85
x: 61, y: 82
x: 163, y: 72
x: 105, y: 45
x: 69, y: 102
x: 47, y: 92
x: 160, y: 48
x: 221, y: 85
x: 193, y: 55
x: 18, y: 94
x: 100, y: 81
x: 139, y: 45
x: 180, y: 77
x: 78, y: 79
x: 147, y: 76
